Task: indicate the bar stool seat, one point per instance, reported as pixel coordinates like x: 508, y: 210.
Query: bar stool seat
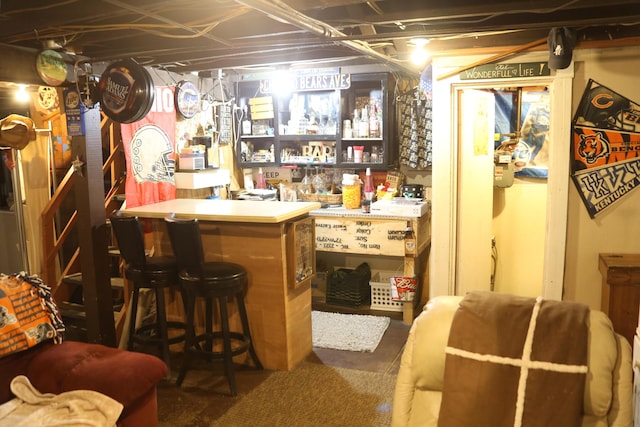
x: 156, y: 273
x: 214, y: 282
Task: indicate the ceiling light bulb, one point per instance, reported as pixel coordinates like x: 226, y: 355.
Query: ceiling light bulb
x: 419, y: 56
x: 21, y: 94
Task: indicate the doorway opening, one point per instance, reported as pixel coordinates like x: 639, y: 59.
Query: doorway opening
x: 502, y: 236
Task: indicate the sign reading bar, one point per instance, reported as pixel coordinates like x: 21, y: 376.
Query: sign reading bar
x: 309, y: 82
x: 506, y: 71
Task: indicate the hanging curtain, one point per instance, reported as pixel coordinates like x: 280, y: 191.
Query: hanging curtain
x: 416, y: 124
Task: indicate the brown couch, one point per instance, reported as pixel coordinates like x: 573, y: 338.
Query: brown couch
x: 128, y: 377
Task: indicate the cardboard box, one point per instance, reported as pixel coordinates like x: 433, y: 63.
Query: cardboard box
x: 391, y: 207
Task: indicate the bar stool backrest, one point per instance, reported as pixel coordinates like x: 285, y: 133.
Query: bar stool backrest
x: 128, y: 234
x: 186, y: 242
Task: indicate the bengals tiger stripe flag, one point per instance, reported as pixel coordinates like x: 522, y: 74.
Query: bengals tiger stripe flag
x: 605, y: 147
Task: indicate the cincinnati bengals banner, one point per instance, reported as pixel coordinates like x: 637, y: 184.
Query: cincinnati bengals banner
x: 605, y: 147
x: 149, y: 152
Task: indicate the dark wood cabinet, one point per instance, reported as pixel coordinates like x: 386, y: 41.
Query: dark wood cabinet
x: 308, y: 127
x: 621, y: 291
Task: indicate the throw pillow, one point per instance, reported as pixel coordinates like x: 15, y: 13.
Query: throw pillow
x: 28, y: 314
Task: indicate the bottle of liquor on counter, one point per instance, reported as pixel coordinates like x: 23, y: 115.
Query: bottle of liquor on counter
x: 363, y: 131
x: 410, y: 242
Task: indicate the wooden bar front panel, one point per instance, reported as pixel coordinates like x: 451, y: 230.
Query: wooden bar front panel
x: 279, y: 313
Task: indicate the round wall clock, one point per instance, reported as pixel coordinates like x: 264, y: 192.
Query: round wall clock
x: 187, y: 99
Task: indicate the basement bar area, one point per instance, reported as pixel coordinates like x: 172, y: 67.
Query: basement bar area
x: 274, y: 242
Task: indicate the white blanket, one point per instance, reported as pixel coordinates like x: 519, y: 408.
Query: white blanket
x: 78, y: 408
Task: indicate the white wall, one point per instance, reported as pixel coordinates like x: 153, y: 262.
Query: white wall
x: 617, y: 229
x: 518, y: 226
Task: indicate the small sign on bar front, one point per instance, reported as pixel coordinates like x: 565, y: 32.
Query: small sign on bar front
x: 506, y: 71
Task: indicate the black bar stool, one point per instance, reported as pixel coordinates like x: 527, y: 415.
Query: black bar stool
x: 214, y: 282
x: 147, y: 272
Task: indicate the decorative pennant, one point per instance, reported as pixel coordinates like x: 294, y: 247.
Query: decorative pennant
x: 605, y: 147
x: 600, y: 188
x: 602, y: 108
x: 592, y: 148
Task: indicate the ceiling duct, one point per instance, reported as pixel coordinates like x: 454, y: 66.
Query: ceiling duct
x: 278, y: 10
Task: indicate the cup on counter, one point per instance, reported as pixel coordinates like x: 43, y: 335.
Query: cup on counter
x: 358, y: 151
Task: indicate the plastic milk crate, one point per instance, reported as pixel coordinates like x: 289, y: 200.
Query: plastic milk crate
x: 381, y: 291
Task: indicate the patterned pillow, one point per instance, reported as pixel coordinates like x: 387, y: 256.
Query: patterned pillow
x: 28, y: 314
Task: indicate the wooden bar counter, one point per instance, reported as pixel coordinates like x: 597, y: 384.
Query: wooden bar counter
x: 274, y: 241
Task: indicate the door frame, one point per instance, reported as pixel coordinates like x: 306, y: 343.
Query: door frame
x: 442, y: 278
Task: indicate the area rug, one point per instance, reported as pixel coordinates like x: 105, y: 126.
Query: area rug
x: 353, y: 332
x: 315, y: 395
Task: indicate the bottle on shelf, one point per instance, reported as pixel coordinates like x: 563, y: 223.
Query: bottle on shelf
x: 364, y: 124
x: 374, y: 124
x: 379, y: 114
x: 410, y: 242
x: 246, y: 121
x: 355, y: 128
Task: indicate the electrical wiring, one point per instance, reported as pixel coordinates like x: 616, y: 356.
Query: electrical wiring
x: 494, y: 262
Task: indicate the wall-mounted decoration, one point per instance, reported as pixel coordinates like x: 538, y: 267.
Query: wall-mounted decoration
x: 51, y: 67
x: 187, y: 99
x: 127, y: 91
x: 605, y: 147
x: 415, y: 108
x: 149, y: 146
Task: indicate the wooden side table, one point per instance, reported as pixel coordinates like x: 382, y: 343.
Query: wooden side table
x: 621, y: 291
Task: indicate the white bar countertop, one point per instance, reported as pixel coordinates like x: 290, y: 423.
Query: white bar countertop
x: 271, y: 212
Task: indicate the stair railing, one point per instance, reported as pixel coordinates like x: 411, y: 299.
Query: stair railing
x: 55, y: 267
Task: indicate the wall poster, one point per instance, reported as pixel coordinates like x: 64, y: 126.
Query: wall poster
x: 605, y: 147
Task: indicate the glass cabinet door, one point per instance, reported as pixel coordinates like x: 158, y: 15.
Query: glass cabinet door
x: 309, y: 113
x: 301, y: 250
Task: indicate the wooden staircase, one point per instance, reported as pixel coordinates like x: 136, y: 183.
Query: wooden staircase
x: 60, y: 231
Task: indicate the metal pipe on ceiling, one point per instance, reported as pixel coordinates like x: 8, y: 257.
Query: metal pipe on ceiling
x: 278, y: 10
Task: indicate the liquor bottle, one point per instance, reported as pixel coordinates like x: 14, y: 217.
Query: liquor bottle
x: 355, y: 128
x: 363, y: 131
x: 379, y: 113
x: 374, y: 124
x: 410, y: 243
